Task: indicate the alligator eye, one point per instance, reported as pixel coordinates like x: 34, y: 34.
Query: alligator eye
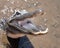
x: 17, y: 13
x: 1, y: 22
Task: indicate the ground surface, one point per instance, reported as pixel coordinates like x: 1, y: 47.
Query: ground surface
x: 51, y: 18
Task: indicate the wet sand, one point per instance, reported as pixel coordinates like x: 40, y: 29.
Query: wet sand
x: 51, y: 18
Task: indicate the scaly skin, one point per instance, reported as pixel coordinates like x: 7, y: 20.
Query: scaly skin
x: 27, y: 15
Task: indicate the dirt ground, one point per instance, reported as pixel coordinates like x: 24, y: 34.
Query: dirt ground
x: 51, y: 18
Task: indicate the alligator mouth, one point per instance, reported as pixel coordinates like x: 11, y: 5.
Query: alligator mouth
x: 26, y: 25
x: 33, y: 28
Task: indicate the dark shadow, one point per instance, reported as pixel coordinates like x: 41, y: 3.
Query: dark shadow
x: 21, y: 42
